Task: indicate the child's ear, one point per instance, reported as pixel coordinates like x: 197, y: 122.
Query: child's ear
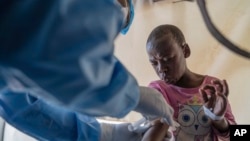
x: 186, y: 50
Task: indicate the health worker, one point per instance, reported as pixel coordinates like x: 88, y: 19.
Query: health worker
x: 58, y: 71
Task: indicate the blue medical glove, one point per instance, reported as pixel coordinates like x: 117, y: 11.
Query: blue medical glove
x: 118, y: 132
x: 152, y: 105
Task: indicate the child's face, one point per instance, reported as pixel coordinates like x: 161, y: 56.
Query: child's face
x: 168, y: 60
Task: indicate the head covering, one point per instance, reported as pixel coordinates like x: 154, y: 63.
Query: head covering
x: 131, y: 12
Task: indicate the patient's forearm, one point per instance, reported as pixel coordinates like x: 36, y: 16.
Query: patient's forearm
x: 156, y: 133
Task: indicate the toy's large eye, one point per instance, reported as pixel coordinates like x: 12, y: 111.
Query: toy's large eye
x: 186, y: 118
x: 203, y: 119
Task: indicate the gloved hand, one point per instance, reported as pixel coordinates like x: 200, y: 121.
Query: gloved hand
x: 118, y: 132
x: 151, y: 130
x: 152, y: 105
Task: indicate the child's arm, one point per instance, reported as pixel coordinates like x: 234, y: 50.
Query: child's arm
x: 157, y: 132
x: 215, y: 98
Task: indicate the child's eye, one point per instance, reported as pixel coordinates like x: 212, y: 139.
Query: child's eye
x: 153, y: 63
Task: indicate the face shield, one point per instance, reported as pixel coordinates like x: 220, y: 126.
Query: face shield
x: 128, y: 11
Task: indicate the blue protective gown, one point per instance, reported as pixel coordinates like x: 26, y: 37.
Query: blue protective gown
x: 58, y: 70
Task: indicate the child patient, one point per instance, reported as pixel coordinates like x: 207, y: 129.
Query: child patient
x: 199, y: 101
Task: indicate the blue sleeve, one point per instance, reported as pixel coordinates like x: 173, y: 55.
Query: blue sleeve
x: 45, y: 122
x: 63, y: 53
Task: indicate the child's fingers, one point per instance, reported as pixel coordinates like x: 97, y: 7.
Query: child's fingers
x: 221, y: 86
x: 223, y: 104
x: 226, y: 90
x: 204, y: 95
x: 212, y: 100
x: 218, y: 85
x: 207, y: 92
x: 209, y: 96
x: 211, y: 88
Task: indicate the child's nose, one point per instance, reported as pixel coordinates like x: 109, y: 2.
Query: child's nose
x: 162, y: 68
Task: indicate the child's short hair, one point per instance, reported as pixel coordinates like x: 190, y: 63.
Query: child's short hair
x: 170, y: 32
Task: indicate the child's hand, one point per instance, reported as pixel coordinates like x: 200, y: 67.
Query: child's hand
x: 215, y: 97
